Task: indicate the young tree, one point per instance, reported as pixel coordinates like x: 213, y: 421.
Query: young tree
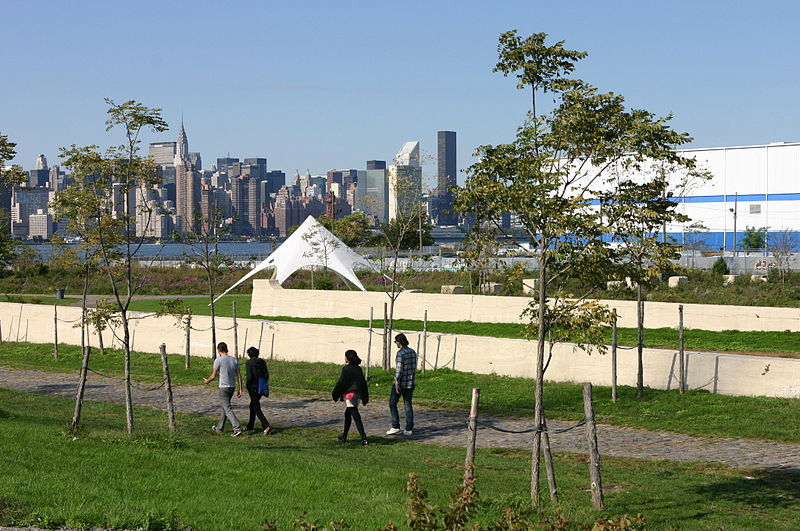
x: 754, y: 239
x: 353, y: 230
x: 549, y: 177
x: 321, y: 247
x: 636, y: 212
x: 103, y: 197
x: 9, y: 176
x: 202, y: 246
x: 783, y: 246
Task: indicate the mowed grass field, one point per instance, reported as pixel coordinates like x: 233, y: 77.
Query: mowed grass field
x: 695, y: 412
x: 153, y: 480
x: 780, y: 343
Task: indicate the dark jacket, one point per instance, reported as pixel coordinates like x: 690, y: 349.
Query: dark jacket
x: 352, y: 379
x: 256, y: 368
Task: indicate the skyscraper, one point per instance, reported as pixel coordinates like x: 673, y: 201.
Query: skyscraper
x: 446, y: 151
x: 372, y: 191
x: 187, y: 186
x: 163, y: 153
x: 405, y: 182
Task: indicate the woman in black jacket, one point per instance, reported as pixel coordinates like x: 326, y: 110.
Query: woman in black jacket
x: 352, y: 389
x: 256, y: 368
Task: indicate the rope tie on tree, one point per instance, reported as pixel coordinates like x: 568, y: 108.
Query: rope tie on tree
x: 538, y: 429
x: 159, y: 386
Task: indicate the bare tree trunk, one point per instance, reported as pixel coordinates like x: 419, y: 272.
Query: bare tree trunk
x: 188, y: 355
x: 639, y: 341
x: 548, y: 463
x: 213, y: 333
x: 100, y: 343
x: 539, y: 392
x: 55, y: 331
x: 167, y: 388
x: 126, y: 347
x: 76, y: 416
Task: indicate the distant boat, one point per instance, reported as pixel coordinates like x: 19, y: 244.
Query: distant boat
x: 252, y: 240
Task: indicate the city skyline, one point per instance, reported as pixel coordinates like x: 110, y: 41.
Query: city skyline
x: 310, y: 98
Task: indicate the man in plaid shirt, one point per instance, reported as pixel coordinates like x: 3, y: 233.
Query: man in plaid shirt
x: 404, y: 381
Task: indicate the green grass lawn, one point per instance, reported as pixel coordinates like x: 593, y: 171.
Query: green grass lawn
x: 704, y: 340
x: 35, y: 299
x: 104, y: 478
x: 695, y: 412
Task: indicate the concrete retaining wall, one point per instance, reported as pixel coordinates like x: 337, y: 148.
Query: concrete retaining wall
x: 721, y: 373
x: 270, y: 299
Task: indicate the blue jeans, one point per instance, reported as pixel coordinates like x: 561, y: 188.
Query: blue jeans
x: 394, y: 398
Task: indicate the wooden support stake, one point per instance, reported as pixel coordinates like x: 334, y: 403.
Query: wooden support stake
x: 167, y: 388
x: 272, y: 347
x: 681, y: 352
x: 369, y: 340
x: 614, y: 358
x: 424, y: 340
x: 438, y: 344
x: 594, y: 454
x: 260, y: 335
x: 1, y: 333
x: 19, y: 322
x: 455, y: 349
x: 385, y: 355
x: 188, y: 354
x: 244, y: 343
x: 472, y: 434
x: 235, y: 333
x: 55, y: 331
x: 27, y: 322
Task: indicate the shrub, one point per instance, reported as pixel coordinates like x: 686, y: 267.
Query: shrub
x: 720, y: 267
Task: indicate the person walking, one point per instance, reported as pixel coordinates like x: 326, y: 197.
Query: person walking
x: 404, y: 383
x: 256, y: 370
x: 352, y: 389
x: 227, y: 368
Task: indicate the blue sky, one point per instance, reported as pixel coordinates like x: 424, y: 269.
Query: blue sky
x: 318, y: 85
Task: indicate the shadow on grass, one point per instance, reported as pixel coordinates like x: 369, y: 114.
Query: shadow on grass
x: 760, y: 489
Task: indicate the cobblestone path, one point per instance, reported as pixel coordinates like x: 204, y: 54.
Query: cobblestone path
x: 435, y: 426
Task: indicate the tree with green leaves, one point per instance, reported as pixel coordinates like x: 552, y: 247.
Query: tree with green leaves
x: 636, y: 211
x: 354, y: 229
x: 551, y: 177
x: 202, y: 250
x: 9, y: 176
x: 754, y: 239
x: 101, y: 200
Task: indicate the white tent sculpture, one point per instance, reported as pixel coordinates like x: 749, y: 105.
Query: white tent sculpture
x: 310, y: 245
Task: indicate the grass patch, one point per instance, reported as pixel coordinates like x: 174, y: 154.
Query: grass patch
x: 727, y: 341
x: 34, y: 299
x: 159, y: 481
x: 696, y: 412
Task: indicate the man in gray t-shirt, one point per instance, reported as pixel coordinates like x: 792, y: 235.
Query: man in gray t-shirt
x: 227, y: 367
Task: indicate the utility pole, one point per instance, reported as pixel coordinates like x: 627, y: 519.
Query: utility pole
x: 735, y: 211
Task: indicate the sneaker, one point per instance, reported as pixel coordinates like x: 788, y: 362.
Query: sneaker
x: 364, y: 442
x: 342, y: 438
x: 393, y: 431
x: 215, y: 429
x: 236, y: 433
x: 408, y: 432
x: 267, y: 430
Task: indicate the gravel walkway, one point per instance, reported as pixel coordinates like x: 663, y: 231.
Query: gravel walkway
x: 445, y: 427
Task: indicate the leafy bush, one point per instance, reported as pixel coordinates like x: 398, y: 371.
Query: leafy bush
x: 720, y: 267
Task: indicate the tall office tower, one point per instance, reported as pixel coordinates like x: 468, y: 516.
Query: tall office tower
x: 255, y: 167
x: 376, y: 164
x: 181, y: 146
x: 405, y: 182
x: 40, y: 225
x: 163, y: 153
x: 372, y: 194
x: 223, y: 163
x: 246, y: 202
x: 286, y: 211
x: 446, y: 144
x: 54, y: 177
x: 41, y: 162
x: 24, y: 202
x: 153, y: 216
x: 38, y: 178
x: 196, y: 160
x: 276, y: 179
x: 209, y: 210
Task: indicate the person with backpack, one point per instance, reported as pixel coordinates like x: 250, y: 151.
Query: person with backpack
x: 352, y: 389
x: 257, y: 386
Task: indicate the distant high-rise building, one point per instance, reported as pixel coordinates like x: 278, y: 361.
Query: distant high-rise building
x: 38, y: 178
x: 246, y: 202
x: 372, y: 192
x: 163, y: 153
x: 196, y: 160
x: 376, y: 164
x: 446, y: 144
x: 187, y: 186
x: 41, y: 162
x: 40, y: 225
x: 405, y: 182
x: 223, y: 163
x: 276, y: 179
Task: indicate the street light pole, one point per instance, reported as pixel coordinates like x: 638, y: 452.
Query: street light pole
x: 735, y: 211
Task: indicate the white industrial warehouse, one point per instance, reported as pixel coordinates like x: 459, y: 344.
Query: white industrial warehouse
x: 752, y: 186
